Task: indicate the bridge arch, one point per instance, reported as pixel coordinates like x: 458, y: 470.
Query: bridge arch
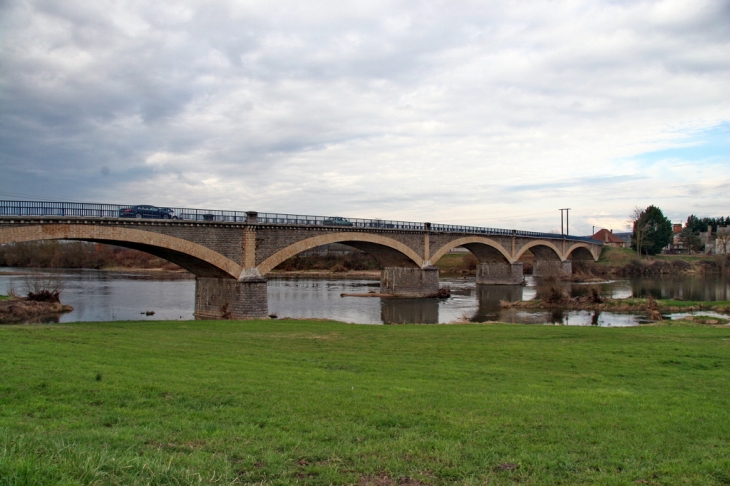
x: 583, y: 251
x: 542, y: 249
x: 197, y: 259
x: 387, y: 251
x: 485, y: 249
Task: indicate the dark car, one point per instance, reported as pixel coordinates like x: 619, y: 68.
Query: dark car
x: 145, y: 211
x: 336, y: 221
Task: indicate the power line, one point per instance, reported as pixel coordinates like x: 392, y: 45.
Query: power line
x: 26, y: 196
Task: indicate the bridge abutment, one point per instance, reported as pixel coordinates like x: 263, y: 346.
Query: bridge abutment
x: 551, y: 268
x: 500, y: 273
x: 222, y: 298
x: 409, y: 282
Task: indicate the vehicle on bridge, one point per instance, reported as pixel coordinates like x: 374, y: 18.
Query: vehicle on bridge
x: 145, y: 211
x: 337, y: 221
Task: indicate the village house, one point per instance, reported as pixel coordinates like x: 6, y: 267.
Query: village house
x: 717, y: 243
x: 609, y: 239
x: 676, y: 244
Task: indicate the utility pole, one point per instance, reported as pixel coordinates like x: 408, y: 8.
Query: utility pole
x: 567, y: 221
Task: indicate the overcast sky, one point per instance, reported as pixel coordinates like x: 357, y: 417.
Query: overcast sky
x: 490, y: 113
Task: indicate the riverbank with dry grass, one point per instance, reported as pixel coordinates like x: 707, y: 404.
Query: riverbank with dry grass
x: 625, y: 262
x: 327, y: 274
x: 21, y: 309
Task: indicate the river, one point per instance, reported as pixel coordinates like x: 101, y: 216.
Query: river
x: 115, y: 296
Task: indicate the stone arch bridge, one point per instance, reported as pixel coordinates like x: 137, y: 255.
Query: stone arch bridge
x: 231, y: 259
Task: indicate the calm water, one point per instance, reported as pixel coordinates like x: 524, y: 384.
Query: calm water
x: 110, y: 296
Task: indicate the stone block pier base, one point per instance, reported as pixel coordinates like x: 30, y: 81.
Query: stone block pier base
x: 500, y: 273
x: 552, y: 268
x: 409, y: 282
x: 219, y: 298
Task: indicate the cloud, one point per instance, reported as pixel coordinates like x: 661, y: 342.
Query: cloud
x: 486, y: 113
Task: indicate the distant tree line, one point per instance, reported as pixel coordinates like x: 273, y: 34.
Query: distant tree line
x: 697, y: 225
x: 334, y: 262
x: 77, y: 254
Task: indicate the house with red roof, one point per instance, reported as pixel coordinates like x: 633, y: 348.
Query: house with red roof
x: 609, y: 239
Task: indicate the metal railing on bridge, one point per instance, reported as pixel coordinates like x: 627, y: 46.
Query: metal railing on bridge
x: 90, y: 210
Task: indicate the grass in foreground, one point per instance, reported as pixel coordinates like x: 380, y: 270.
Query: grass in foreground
x: 277, y: 402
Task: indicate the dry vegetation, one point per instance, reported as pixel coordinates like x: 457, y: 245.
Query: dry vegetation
x: 337, y: 263
x: 625, y: 262
x: 78, y: 254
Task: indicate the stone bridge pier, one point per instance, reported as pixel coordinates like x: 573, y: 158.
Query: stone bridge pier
x: 410, y: 282
x: 551, y: 268
x: 227, y: 298
x: 500, y: 273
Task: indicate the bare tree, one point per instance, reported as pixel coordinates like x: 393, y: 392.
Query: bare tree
x: 637, y: 219
x: 690, y: 240
x: 43, y: 287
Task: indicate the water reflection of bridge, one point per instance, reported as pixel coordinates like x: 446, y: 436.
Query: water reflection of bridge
x: 426, y: 311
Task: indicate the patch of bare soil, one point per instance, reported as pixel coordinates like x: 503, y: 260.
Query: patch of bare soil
x: 19, y: 309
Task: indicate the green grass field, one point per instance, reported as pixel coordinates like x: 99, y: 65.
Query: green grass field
x: 307, y: 402
x: 454, y: 263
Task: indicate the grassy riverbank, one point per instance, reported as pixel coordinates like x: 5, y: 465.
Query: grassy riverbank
x: 625, y: 262
x: 557, y: 298
x: 308, y: 402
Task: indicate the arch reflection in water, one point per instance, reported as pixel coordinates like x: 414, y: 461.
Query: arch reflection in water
x: 409, y: 311
x: 489, y: 298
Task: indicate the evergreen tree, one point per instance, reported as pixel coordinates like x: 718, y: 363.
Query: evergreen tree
x: 652, y: 231
x: 698, y: 225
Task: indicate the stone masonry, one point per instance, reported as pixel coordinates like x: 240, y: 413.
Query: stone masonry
x: 219, y: 298
x: 500, y: 273
x: 409, y: 282
x: 542, y: 268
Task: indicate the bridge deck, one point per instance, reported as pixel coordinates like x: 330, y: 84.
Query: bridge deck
x: 68, y: 211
